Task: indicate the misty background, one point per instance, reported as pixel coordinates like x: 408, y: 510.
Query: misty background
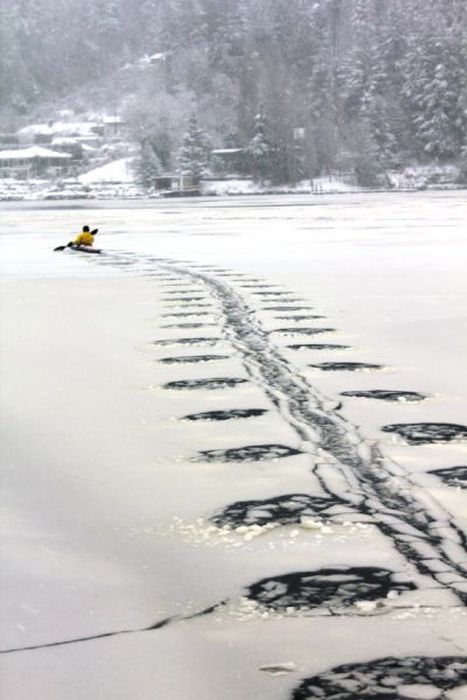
x: 303, y: 87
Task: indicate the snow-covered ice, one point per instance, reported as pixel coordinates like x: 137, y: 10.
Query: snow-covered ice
x: 192, y: 506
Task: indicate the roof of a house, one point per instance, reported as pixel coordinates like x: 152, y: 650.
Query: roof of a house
x: 226, y: 151
x: 60, y: 128
x: 115, y: 119
x: 32, y: 152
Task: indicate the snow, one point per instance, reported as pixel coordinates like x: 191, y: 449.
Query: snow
x: 226, y: 151
x: 223, y: 187
x: 327, y: 185
x: 116, y: 171
x: 59, y: 128
x: 32, y: 152
x: 112, y: 531
x: 36, y: 129
x: 421, y: 176
x: 112, y: 119
x: 232, y: 186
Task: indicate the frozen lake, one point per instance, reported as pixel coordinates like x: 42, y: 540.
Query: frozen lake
x: 235, y: 448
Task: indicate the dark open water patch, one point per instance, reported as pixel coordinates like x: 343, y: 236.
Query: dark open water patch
x: 329, y: 587
x: 185, y: 314
x: 302, y: 331
x: 187, y: 341
x: 285, y: 510
x: 387, y: 678
x: 210, y: 384
x: 190, y: 325
x: 233, y: 275
x: 278, y: 293
x: 283, y: 307
x: 258, y: 285
x: 174, y: 284
x: 309, y: 317
x: 249, y: 453
x: 427, y: 433
x: 386, y: 395
x: 227, y: 415
x: 317, y: 346
x: 167, y: 277
x: 346, y: 366
x: 452, y: 476
x: 197, y: 305
x: 191, y: 359
x: 186, y: 297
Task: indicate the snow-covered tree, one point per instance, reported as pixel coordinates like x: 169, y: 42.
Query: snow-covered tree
x: 397, y: 68
x: 259, y: 150
x: 193, y: 154
x: 148, y: 166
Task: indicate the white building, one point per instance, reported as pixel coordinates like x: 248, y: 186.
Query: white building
x: 35, y: 161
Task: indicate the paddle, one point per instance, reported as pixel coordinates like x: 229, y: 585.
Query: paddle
x: 62, y: 247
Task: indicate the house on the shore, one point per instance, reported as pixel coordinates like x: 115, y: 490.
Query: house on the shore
x: 175, y: 185
x: 113, y: 125
x: 35, y: 161
x: 227, y: 161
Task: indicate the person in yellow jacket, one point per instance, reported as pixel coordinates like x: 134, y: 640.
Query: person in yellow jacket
x: 83, y: 240
x: 86, y: 237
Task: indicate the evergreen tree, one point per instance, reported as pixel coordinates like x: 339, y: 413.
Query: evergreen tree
x: 259, y: 150
x: 434, y: 86
x: 399, y: 75
x: 193, y: 154
x: 148, y: 166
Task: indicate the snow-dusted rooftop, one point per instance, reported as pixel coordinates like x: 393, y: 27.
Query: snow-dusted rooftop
x: 112, y: 119
x: 226, y: 151
x: 32, y: 152
x: 59, y: 128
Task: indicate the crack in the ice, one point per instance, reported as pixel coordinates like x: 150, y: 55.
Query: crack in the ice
x: 210, y: 384
x: 191, y: 359
x: 231, y: 414
x: 362, y: 464
x: 386, y: 395
x: 317, y: 346
x: 345, y: 366
x: 189, y: 325
x: 302, y: 331
x: 380, y: 487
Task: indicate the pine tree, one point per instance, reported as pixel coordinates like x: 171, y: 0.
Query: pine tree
x: 259, y: 150
x: 435, y: 82
x: 148, y: 166
x: 193, y: 154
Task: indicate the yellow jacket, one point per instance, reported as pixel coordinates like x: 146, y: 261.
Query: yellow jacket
x: 84, y: 238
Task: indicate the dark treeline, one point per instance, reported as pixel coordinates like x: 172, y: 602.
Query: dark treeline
x: 308, y: 86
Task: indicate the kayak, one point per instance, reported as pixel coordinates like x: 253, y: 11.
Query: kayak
x: 84, y: 249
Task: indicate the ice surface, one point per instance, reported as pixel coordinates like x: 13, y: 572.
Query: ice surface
x: 116, y: 522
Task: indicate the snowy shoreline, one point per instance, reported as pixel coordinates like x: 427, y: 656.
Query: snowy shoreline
x: 119, y: 192
x: 115, y: 181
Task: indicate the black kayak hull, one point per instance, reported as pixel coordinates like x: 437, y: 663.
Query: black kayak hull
x: 85, y: 249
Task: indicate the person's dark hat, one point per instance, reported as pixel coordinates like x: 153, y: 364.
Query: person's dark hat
x: 86, y: 229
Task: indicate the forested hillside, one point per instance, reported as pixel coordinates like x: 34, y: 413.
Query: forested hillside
x: 306, y: 85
